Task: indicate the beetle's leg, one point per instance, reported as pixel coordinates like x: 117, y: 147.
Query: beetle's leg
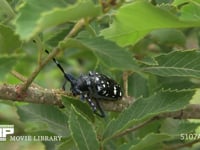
x: 95, y: 106
x: 102, y: 114
x: 90, y: 102
x: 63, y: 86
x: 83, y: 97
x: 75, y: 91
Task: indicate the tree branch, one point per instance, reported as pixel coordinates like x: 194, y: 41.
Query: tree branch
x: 53, y: 97
x: 33, y: 95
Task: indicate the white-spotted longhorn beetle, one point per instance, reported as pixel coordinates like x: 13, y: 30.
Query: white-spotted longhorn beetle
x: 92, y: 88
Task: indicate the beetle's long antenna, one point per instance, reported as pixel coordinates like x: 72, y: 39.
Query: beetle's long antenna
x: 67, y: 76
x: 57, y: 63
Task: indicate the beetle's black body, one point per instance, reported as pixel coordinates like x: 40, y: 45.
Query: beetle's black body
x: 93, y: 87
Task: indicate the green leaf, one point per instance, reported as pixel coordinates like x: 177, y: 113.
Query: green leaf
x: 126, y: 146
x: 177, y: 63
x: 67, y: 144
x: 106, y: 51
x: 148, y: 61
x: 9, y: 42
x: 138, y: 86
x: 168, y: 37
x: 80, y: 105
x: 29, y: 14
x: 190, y: 11
x: 55, y: 120
x: 139, y: 23
x: 82, y: 131
x: 151, y: 127
x: 83, y: 8
x: 33, y: 17
x: 167, y: 101
x: 151, y: 141
x: 6, y: 11
x: 179, y: 2
x: 7, y: 63
x: 58, y: 35
x: 179, y: 126
x: 173, y: 83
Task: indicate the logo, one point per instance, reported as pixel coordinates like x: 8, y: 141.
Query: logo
x: 5, y: 130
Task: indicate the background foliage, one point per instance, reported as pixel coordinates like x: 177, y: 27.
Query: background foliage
x: 156, y: 42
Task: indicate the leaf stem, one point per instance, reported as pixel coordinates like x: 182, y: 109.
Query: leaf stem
x: 40, y: 47
x: 129, y: 130
x: 125, y: 79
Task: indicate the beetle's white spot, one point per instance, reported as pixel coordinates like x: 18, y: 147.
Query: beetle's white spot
x: 99, y: 88
x: 115, y: 88
x: 102, y: 81
x: 115, y: 91
x: 104, y: 92
x: 107, y: 82
x: 113, y: 95
x: 107, y: 94
x: 90, y: 73
x: 88, y: 82
x: 120, y: 93
x: 104, y: 85
x: 97, y: 78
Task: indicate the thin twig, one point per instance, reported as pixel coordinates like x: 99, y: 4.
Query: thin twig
x: 56, y: 50
x: 75, y: 29
x: 28, y: 82
x: 22, y: 78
